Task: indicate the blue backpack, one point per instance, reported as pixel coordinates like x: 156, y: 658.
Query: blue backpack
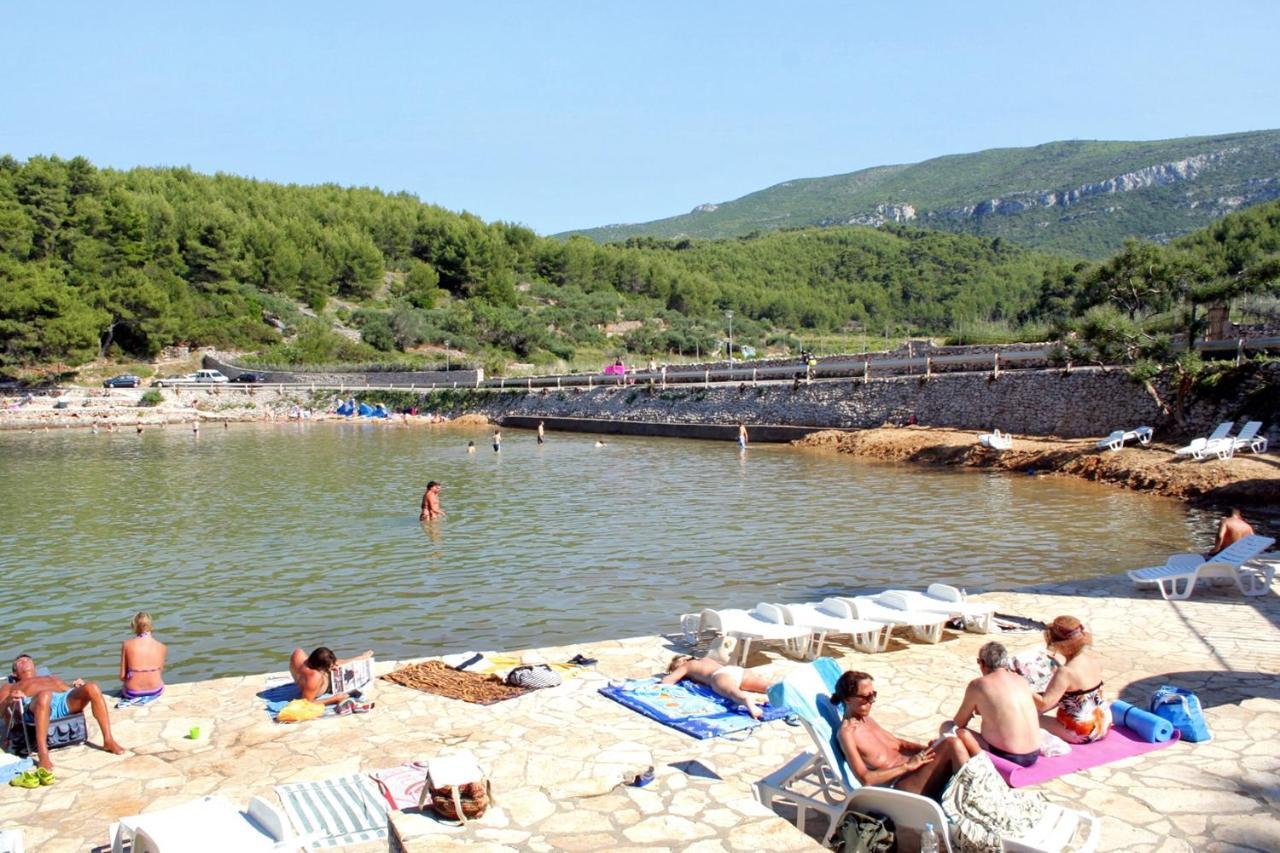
x: 1182, y: 709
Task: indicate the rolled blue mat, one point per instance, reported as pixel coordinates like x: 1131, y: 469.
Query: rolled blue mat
x: 1147, y: 725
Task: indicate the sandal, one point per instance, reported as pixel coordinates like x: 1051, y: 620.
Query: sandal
x: 580, y: 660
x: 25, y: 779
x: 44, y: 776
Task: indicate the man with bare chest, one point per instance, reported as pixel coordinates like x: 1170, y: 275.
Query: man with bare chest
x: 878, y: 757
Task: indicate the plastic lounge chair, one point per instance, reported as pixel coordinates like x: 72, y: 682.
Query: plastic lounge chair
x: 1248, y: 439
x: 895, y: 610
x: 996, y: 440
x: 943, y: 598
x: 1177, y: 577
x: 747, y: 626
x: 1197, y: 446
x: 207, y: 824
x: 1116, y: 440
x: 833, y: 621
x: 823, y: 781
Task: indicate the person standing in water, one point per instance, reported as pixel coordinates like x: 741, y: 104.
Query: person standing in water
x: 742, y: 436
x: 497, y: 441
x: 471, y: 447
x: 431, y: 503
x: 541, y: 439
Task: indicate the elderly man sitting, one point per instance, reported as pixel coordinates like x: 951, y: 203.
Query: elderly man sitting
x: 1010, y: 722
x: 47, y: 697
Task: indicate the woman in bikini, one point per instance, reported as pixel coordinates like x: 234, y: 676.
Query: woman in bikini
x: 1084, y: 714
x: 731, y: 682
x: 313, y: 674
x: 142, y: 661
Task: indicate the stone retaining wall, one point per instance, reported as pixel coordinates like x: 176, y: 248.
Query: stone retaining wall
x: 1085, y: 402
x: 419, y: 378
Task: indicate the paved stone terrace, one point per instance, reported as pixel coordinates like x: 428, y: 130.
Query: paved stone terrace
x: 554, y: 755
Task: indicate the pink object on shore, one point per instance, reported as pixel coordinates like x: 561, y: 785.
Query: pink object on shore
x: 402, y: 785
x: 1119, y: 743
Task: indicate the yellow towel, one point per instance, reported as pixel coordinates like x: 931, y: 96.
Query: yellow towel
x: 300, y: 710
x: 493, y: 663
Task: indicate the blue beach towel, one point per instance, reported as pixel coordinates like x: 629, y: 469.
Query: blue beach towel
x: 687, y: 706
x: 12, y: 765
x: 282, y: 694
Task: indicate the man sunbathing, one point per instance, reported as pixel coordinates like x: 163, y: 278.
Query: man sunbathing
x: 46, y: 697
x: 880, y: 758
x: 1010, y: 722
x: 731, y: 682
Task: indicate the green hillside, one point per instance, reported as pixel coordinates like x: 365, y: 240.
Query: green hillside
x: 1079, y: 197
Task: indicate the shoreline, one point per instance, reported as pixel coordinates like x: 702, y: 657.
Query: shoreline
x: 1249, y: 479
x: 550, y: 754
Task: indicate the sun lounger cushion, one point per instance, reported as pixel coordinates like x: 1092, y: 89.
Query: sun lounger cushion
x: 687, y: 706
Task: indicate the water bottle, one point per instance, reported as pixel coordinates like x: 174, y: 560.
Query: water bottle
x: 928, y: 839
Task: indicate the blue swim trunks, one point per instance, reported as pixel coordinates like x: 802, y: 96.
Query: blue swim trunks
x: 57, y: 705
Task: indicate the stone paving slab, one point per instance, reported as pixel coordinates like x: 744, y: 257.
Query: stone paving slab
x: 554, y: 756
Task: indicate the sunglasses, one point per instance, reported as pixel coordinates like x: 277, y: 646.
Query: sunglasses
x: 866, y: 697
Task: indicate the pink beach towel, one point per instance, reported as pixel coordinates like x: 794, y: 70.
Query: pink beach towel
x: 402, y: 785
x: 1120, y: 743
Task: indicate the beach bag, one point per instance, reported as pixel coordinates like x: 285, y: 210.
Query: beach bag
x: 533, y: 677
x: 864, y: 833
x: 456, y: 789
x: 1182, y: 709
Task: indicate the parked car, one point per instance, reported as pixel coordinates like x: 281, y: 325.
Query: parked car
x: 249, y: 376
x: 200, y: 377
x: 124, y: 380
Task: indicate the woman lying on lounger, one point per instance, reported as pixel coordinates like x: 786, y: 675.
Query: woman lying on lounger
x: 312, y: 673
x: 731, y: 682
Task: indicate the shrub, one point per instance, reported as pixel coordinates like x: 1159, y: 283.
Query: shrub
x: 151, y: 397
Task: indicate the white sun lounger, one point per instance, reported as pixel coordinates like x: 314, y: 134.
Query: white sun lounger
x: 1177, y: 577
x: 996, y: 440
x: 942, y: 598
x: 897, y: 611
x: 823, y: 781
x: 1116, y: 440
x: 206, y: 825
x: 1248, y: 439
x: 748, y: 626
x: 1199, y: 446
x: 833, y: 621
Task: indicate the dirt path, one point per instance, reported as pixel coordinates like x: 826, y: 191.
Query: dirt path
x: 1247, y: 478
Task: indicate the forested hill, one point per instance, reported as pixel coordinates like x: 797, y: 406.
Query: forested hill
x: 122, y: 263
x: 1079, y: 197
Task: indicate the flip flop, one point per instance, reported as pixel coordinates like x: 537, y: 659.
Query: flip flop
x: 45, y: 776
x: 25, y: 779
x: 580, y: 660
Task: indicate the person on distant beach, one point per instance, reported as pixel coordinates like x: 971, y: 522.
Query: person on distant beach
x: 742, y: 436
x: 47, y: 697
x: 1084, y: 714
x: 139, y: 429
x: 880, y: 758
x: 731, y: 682
x: 431, y: 503
x: 497, y: 441
x: 312, y: 673
x: 142, y: 661
x: 1231, y: 530
x: 471, y: 447
x: 195, y: 427
x: 1005, y: 704
x: 541, y: 439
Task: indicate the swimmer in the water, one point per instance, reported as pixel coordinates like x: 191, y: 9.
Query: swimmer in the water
x: 471, y: 447
x: 600, y: 443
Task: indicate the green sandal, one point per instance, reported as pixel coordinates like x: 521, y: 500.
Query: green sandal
x: 45, y: 776
x: 25, y: 779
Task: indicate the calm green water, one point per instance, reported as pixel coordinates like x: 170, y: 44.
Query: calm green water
x: 245, y: 542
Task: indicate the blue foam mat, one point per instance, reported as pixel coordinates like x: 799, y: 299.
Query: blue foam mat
x: 688, y: 706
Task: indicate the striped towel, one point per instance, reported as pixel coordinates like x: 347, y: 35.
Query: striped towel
x: 336, y: 812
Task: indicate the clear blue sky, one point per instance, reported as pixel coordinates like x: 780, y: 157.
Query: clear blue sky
x: 572, y: 114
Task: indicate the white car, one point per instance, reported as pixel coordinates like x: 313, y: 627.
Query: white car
x: 200, y: 377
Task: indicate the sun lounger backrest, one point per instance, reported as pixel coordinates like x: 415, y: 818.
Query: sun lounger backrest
x: 944, y: 592
x: 770, y: 613
x: 1222, y: 431
x: 1243, y: 551
x: 1249, y: 431
x: 806, y: 691
x: 896, y: 600
x: 837, y: 607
